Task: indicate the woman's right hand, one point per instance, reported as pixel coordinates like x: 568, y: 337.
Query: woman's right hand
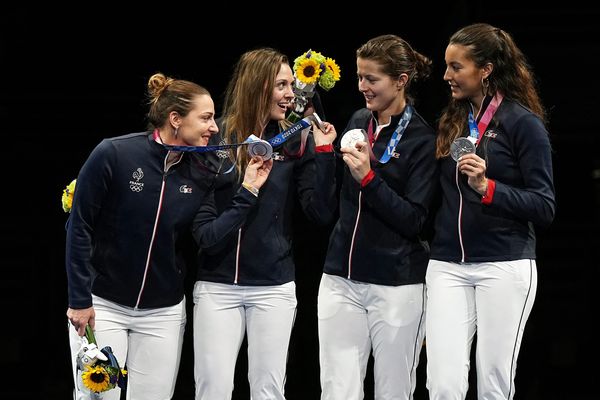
x: 474, y: 167
x: 357, y: 159
x: 257, y: 171
x: 79, y: 318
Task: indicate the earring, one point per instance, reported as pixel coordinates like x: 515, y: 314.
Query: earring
x: 176, y: 131
x: 485, y: 85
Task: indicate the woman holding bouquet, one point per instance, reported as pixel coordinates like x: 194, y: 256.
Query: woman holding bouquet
x: 482, y: 276
x: 134, y: 204
x: 372, y: 292
x: 246, y: 279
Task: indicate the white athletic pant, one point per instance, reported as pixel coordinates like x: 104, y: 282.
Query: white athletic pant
x: 492, y: 299
x: 355, y: 316
x: 148, y: 341
x: 222, y: 314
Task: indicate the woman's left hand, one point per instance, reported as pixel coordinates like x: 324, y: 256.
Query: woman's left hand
x: 474, y: 167
x: 326, y: 136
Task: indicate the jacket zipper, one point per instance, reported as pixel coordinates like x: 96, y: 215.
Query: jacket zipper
x: 354, y: 234
x: 459, y: 225
x: 166, y: 168
x: 149, y: 256
x: 237, y: 257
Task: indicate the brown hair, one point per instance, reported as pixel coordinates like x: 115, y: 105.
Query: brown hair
x: 396, y: 57
x: 168, y: 94
x: 247, y: 102
x: 512, y: 76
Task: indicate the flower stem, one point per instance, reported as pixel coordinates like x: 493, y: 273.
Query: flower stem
x: 294, y: 117
x: 89, y: 335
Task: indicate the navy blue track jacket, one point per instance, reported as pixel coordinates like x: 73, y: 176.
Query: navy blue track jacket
x: 259, y: 253
x: 377, y: 237
x: 518, y: 156
x: 128, y: 221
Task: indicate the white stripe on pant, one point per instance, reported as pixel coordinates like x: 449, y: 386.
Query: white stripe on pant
x: 492, y: 299
x: 149, y: 341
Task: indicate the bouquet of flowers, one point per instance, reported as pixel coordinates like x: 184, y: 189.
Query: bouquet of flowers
x: 311, y: 69
x: 67, y: 196
x: 100, y: 369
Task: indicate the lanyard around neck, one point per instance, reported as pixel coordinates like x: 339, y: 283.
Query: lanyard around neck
x: 476, y: 129
x: 396, y: 136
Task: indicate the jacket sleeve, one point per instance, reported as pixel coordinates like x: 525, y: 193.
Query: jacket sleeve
x: 211, y: 229
x: 90, y: 191
x: 407, y: 212
x: 535, y: 201
x: 315, y: 180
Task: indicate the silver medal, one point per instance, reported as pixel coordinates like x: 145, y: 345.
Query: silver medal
x: 352, y: 136
x: 460, y: 147
x: 260, y: 148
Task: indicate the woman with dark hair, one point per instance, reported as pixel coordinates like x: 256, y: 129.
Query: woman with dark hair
x: 496, y: 181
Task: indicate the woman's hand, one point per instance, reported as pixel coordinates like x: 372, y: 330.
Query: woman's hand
x: 474, y: 167
x: 357, y: 160
x: 326, y: 136
x: 257, y: 171
x: 79, y: 318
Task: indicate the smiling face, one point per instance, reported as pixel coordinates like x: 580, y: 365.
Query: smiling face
x: 382, y: 92
x: 463, y: 75
x: 283, y: 94
x: 196, y: 128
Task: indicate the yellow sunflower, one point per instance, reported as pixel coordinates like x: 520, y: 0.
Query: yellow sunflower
x: 333, y: 67
x: 96, y: 379
x: 308, y: 71
x: 67, y: 196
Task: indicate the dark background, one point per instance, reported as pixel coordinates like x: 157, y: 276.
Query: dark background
x: 71, y: 77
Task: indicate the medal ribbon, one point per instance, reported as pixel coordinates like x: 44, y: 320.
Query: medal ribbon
x: 396, y: 136
x: 274, y: 141
x: 476, y: 129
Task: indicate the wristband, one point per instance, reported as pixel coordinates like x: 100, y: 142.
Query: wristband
x: 250, y: 188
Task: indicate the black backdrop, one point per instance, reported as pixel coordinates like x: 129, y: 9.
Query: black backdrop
x: 72, y: 77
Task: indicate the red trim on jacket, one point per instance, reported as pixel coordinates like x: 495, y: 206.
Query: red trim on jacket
x: 325, y: 148
x: 488, y: 196
x: 368, y: 178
